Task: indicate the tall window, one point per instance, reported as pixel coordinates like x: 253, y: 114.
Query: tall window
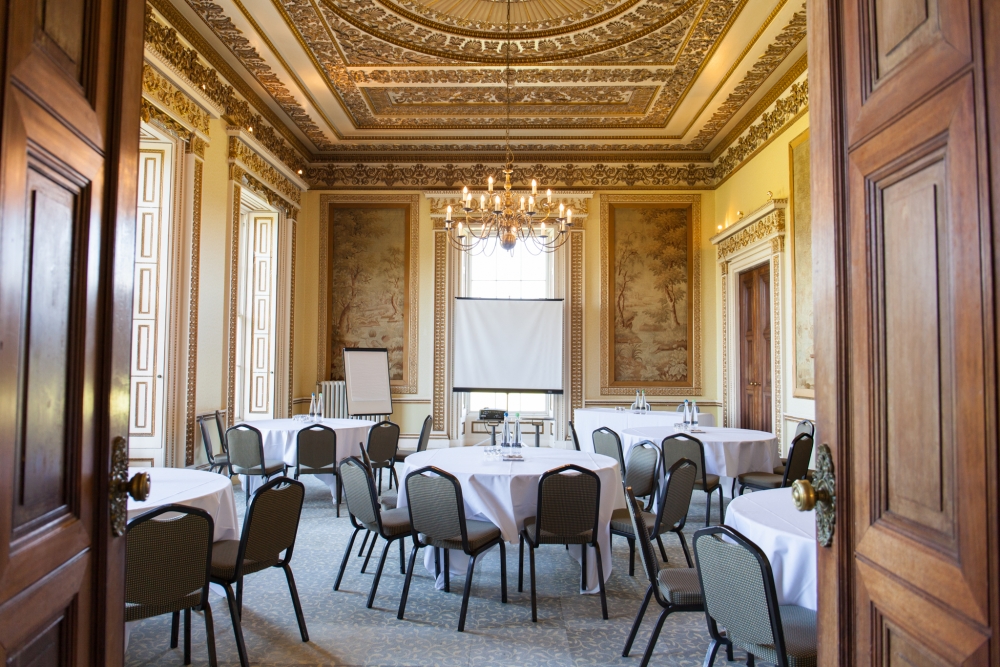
x: 505, y: 275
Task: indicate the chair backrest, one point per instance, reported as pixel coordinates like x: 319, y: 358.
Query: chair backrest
x: 213, y: 444
x: 359, y: 490
x: 246, y: 446
x: 316, y: 447
x: 220, y: 424
x: 807, y: 427
x: 650, y: 561
x: 608, y: 443
x: 425, y: 434
x: 675, y: 495
x: 642, y: 472
x: 572, y: 432
x: 168, y: 562
x: 569, y: 502
x: 738, y: 586
x: 799, y: 453
x: 272, y: 522
x: 682, y: 446
x: 383, y: 441
x: 437, y: 509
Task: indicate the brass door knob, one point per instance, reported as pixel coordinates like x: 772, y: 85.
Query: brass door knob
x: 805, y: 496
x: 137, y: 487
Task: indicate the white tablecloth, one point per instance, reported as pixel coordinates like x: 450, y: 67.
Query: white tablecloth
x: 728, y: 451
x: 208, y: 491
x: 588, y: 420
x: 280, y: 435
x: 506, y: 493
x: 788, y: 538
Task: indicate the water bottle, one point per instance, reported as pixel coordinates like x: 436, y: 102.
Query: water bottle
x: 312, y: 407
x: 517, y: 429
x: 319, y: 407
x: 687, y: 414
x: 506, y: 432
x: 645, y: 403
x: 694, y: 413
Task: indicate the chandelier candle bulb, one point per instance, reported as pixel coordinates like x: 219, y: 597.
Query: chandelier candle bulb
x: 548, y: 195
x: 522, y: 203
x: 496, y: 204
x: 534, y: 187
x: 531, y: 204
x: 482, y: 202
x: 448, y: 217
x: 489, y: 184
x: 569, y: 217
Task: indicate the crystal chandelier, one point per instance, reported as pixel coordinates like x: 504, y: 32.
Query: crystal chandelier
x: 500, y: 218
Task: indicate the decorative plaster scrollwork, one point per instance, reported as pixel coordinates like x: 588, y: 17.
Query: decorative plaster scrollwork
x: 161, y: 90
x: 772, y: 223
x: 246, y: 156
x: 190, y: 437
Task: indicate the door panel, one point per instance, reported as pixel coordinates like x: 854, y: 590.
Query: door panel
x: 755, y: 348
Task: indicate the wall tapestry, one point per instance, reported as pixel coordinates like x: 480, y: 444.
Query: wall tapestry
x: 650, y: 294
x: 372, y: 284
x: 802, y: 286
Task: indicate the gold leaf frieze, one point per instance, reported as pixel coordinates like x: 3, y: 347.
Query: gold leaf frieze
x: 249, y: 159
x: 161, y: 90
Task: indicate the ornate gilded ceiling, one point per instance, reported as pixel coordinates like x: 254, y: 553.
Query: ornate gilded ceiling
x: 609, y: 81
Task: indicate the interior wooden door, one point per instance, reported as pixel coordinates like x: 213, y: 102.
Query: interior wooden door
x: 755, y: 348
x: 905, y: 336
x: 69, y: 138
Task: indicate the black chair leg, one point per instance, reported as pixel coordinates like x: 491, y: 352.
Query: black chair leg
x: 447, y: 570
x: 406, y: 582
x: 437, y: 563
x: 531, y: 573
x: 583, y: 566
x: 600, y: 582
x: 750, y: 660
x: 729, y: 651
x: 732, y: 491
x: 371, y: 548
x: 520, y: 564
x: 638, y: 621
x: 465, y: 595
x: 239, y: 596
x: 175, y: 624
x: 631, y: 556
x: 402, y: 556
x: 687, y: 554
x: 722, y: 516
x: 234, y: 612
x: 295, y: 601
x: 742, y: 489
x: 338, y: 490
x: 378, y: 574
x: 213, y: 660
x: 708, y: 508
x: 187, y: 636
x: 653, y: 637
x: 503, y: 572
x: 713, y: 649
x: 663, y: 550
x: 361, y: 551
x: 347, y: 554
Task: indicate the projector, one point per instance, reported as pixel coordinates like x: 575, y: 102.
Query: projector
x: 491, y: 415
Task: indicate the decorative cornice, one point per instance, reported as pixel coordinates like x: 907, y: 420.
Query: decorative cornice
x: 765, y: 223
x: 185, y: 110
x: 247, y: 158
x: 243, y: 178
x: 150, y: 113
x: 577, y: 200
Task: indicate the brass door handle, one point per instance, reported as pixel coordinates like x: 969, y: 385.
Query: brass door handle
x: 121, y: 487
x: 820, y: 494
x: 137, y: 487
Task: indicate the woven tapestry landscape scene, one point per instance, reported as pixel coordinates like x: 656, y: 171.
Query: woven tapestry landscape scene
x: 368, y: 284
x: 650, y: 253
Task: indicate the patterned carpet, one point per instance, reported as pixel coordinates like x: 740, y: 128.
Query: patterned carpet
x: 342, y: 631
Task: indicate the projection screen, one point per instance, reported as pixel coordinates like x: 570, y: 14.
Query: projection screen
x: 509, y: 345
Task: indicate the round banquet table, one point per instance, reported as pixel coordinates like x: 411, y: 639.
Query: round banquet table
x: 788, y: 538
x: 208, y: 491
x: 506, y: 493
x: 728, y: 451
x: 280, y: 437
x: 588, y: 420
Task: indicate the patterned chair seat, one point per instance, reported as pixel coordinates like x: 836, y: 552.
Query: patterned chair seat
x: 394, y: 522
x: 389, y: 500
x: 799, y: 627
x: 271, y: 467
x: 530, y: 527
x: 679, y: 585
x: 479, y: 532
x: 224, y: 560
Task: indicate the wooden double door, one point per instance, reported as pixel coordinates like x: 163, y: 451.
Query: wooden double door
x: 69, y: 103
x: 905, y: 131
x: 755, y: 348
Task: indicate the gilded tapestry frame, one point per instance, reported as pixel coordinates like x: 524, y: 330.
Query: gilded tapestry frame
x: 693, y: 385
x: 411, y: 204
x: 793, y: 234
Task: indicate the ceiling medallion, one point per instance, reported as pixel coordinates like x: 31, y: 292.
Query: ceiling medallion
x: 497, y: 221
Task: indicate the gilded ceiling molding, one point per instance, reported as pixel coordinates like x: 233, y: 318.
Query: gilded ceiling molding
x: 786, y: 110
x: 150, y: 113
x: 494, y: 75
x: 578, y: 201
x: 184, y: 60
x: 770, y: 224
x: 186, y: 110
x: 243, y: 178
x: 569, y: 175
x: 789, y: 37
x: 247, y: 158
x: 240, y: 46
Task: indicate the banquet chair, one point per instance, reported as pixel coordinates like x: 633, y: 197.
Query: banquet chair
x: 363, y: 508
x: 675, y: 589
x: 220, y: 460
x: 572, y: 432
x: 382, y: 445
x: 673, y: 503
x: 738, y: 586
x: 269, y: 528
x: 390, y: 498
x: 642, y: 474
x: 799, y: 453
x: 683, y: 446
x: 316, y: 454
x: 608, y: 443
x: 804, y: 426
x: 220, y: 424
x: 168, y: 562
x: 437, y: 520
x: 568, y: 512
x: 246, y: 455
